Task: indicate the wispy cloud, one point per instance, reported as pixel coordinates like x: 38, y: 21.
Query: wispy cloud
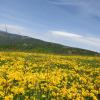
x: 11, y: 28
x: 15, y: 29
x: 66, y: 34
x: 88, y: 7
x: 92, y: 41
x: 72, y: 2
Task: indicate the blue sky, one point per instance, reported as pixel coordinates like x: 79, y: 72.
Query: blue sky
x: 70, y: 22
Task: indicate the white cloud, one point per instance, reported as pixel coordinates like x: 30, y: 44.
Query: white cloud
x: 66, y: 34
x: 92, y: 41
x: 15, y: 29
x: 12, y: 28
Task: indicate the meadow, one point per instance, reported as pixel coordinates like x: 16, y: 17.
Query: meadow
x: 36, y: 76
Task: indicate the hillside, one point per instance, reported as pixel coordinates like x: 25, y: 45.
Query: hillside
x: 15, y: 42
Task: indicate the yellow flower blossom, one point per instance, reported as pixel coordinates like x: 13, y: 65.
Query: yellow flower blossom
x: 35, y: 76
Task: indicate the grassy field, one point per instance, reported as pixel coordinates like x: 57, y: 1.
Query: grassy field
x: 34, y: 76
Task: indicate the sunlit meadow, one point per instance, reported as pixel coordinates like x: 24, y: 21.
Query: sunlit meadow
x: 34, y: 76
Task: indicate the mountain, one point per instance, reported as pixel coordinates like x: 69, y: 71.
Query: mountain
x: 13, y: 42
